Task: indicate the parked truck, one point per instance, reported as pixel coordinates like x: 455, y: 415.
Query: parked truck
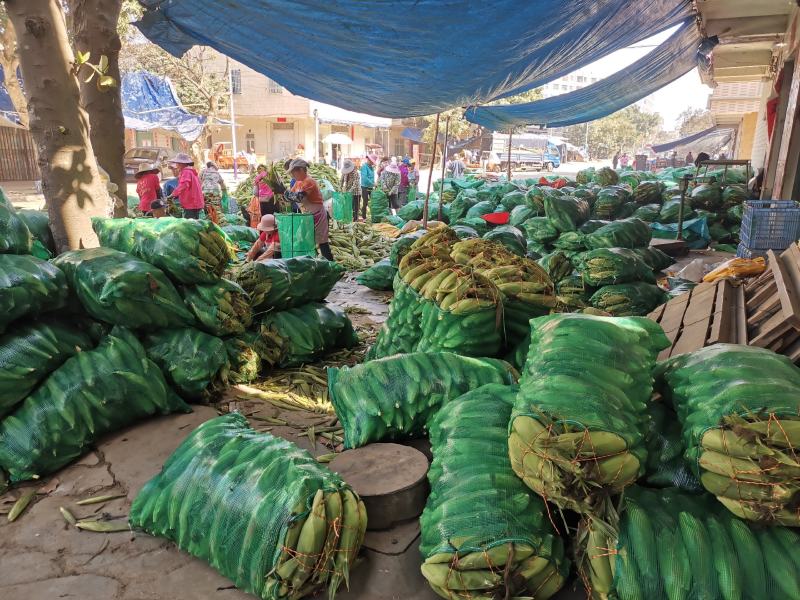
x: 527, y: 152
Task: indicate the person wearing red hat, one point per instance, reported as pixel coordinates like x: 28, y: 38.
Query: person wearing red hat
x: 189, y: 192
x: 268, y: 244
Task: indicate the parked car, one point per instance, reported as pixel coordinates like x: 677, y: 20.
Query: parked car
x: 157, y: 156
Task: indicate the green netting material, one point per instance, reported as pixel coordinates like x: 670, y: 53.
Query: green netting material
x: 605, y: 266
x: 475, y: 334
x: 188, y: 250
x: 193, y: 362
x: 379, y: 276
x: 29, y: 286
x: 402, y: 329
x: 242, y: 235
x: 478, y: 507
x: 39, y: 225
x: 122, y: 290
x: 244, y: 361
x: 15, y: 237
x: 342, y: 209
x: 627, y: 233
x: 402, y: 245
x: 677, y: 546
x: 557, y: 265
x: 239, y: 500
x: 284, y: 283
x: 292, y: 337
x: 629, y: 299
x: 511, y: 237
x: 656, y: 259
x: 666, y: 466
x: 584, y: 375
x: 296, y: 232
x: 378, y: 206
x: 221, y: 308
x: 738, y: 407
x: 31, y: 352
x: 93, y: 393
x: 566, y: 213
x: 393, y: 398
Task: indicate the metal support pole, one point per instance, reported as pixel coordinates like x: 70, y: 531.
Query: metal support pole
x: 444, y: 164
x: 316, y: 136
x: 233, y: 123
x: 684, y: 185
x: 430, y: 175
x: 508, y: 165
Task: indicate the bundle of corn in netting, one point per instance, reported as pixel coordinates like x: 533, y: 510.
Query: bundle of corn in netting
x: 221, y: 308
x: 625, y: 233
x: 122, y: 290
x: 29, y: 286
x: 672, y: 545
x: 32, y: 351
x: 572, y: 293
x: 484, y: 534
x: 257, y: 508
x: 292, y: 337
x: 606, y: 266
x: 15, y: 237
x: 739, y: 408
x: 578, y: 426
x: 393, y: 398
x: 188, y: 250
x: 666, y: 466
x: 284, y: 283
x: 557, y: 265
x: 93, y: 393
x: 244, y: 363
x: 379, y: 276
x: 628, y: 299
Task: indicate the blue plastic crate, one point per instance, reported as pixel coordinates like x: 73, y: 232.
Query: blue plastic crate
x: 743, y: 251
x: 770, y: 224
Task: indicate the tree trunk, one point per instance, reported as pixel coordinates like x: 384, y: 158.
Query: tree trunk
x: 71, y: 181
x: 94, y: 28
x: 10, y: 63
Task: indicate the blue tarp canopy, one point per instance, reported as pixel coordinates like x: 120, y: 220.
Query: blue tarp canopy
x: 398, y: 58
x: 704, y: 137
x: 673, y: 58
x: 150, y: 102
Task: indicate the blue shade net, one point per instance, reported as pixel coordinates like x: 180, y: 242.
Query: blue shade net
x: 399, y: 58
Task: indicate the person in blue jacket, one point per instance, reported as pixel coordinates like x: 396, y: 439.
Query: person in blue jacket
x: 367, y: 182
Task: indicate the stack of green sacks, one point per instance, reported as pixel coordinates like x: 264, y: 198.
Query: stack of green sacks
x: 379, y: 276
x: 29, y: 286
x: 484, y: 534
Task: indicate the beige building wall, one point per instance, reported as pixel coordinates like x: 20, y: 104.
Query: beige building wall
x: 746, y: 135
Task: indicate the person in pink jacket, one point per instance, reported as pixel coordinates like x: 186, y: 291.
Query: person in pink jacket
x: 189, y: 191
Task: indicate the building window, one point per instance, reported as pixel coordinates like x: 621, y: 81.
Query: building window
x: 236, y: 81
x: 581, y: 78
x: 273, y: 87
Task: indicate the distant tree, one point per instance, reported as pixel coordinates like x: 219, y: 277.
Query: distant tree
x: 693, y: 120
x: 628, y: 130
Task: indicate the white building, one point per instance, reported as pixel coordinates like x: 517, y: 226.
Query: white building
x: 568, y: 83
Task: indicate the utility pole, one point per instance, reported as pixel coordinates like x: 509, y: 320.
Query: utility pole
x: 444, y: 164
x: 233, y: 122
x: 430, y: 174
x: 508, y: 165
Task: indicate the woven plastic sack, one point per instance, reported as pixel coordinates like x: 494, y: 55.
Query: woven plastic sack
x: 628, y: 299
x: 29, y: 286
x: 296, y: 336
x: 15, y: 237
x: 695, y: 232
x: 627, y: 233
x: 122, y: 290
x: 738, y: 407
x: 566, y: 213
x: 342, y: 209
x: 296, y: 232
x: 393, y: 398
x: 673, y: 545
x: 188, y: 250
x: 513, y: 199
x: 666, y: 466
x: 670, y: 210
x: 257, y: 508
x: 481, y: 525
x: 465, y: 200
x: 32, y: 351
x: 540, y: 230
x: 93, y: 393
x: 194, y: 363
x: 511, y: 237
x: 244, y: 363
x: 221, y: 308
x: 605, y: 266
x: 571, y: 241
x: 557, y: 265
x: 38, y: 224
x: 241, y: 235
x: 579, y: 421
x: 592, y: 225
x: 481, y: 208
x: 707, y: 196
x: 378, y: 206
x: 379, y: 276
x: 412, y: 210
x: 648, y: 213
x: 656, y: 259
x: 287, y: 282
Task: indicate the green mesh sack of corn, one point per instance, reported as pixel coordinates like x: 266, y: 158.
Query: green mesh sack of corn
x: 606, y: 176
x: 647, y: 213
x: 464, y: 200
x: 656, y: 259
x: 402, y: 245
x: 188, y: 250
x: 244, y: 363
x: 609, y: 201
x: 627, y: 233
x: 221, y: 308
x: 592, y: 225
x: 393, y: 398
x: 520, y: 214
x: 605, y: 266
x: 378, y: 206
x: 484, y: 534
x: 576, y: 435
x: 122, y: 290
x: 739, y: 407
x: 241, y: 235
x: 648, y: 192
x: 296, y: 336
x: 566, y: 213
x: 629, y: 299
x: 670, y: 210
x: 510, y: 237
x: 32, y: 351
x: 93, y: 393
x: 557, y: 265
x: 38, y: 224
x: 29, y: 286
x: 257, y: 508
x: 287, y: 282
x: 412, y: 210
x: 665, y: 465
x: 194, y: 362
x: 379, y: 276
x: 572, y: 293
x: 672, y: 545
x: 15, y: 237
x: 540, y: 230
x: 401, y: 331
x: 481, y: 208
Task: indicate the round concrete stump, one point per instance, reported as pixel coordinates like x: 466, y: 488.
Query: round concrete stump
x: 390, y: 478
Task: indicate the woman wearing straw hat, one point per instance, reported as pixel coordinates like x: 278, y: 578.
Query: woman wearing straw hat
x: 148, y: 186
x: 351, y: 182
x: 189, y: 192
x: 268, y: 244
x: 367, y: 173
x: 306, y: 192
x: 389, y: 182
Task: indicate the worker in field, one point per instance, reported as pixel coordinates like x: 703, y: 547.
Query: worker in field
x: 214, y: 191
x: 350, y: 182
x: 263, y: 201
x: 689, y: 159
x: 367, y: 173
x: 268, y: 244
x: 306, y: 192
x: 189, y: 193
x: 389, y: 182
x: 148, y: 186
x: 158, y: 209
x: 413, y: 180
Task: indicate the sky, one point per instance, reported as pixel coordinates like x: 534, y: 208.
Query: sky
x: 669, y: 101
